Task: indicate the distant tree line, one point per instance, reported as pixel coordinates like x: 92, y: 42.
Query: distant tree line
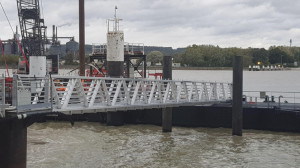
x: 11, y: 60
x: 164, y: 50
x: 215, y: 56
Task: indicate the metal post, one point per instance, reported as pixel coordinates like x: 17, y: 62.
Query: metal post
x: 81, y: 38
x: 56, y: 38
x: 91, y: 68
x: 47, y: 89
x: 279, y: 100
x: 237, y: 104
x: 53, y: 34
x: 15, y: 91
x: 127, y: 66
x: 51, y: 91
x: 255, y: 101
x: 167, y: 112
x: 145, y: 66
x: 267, y: 99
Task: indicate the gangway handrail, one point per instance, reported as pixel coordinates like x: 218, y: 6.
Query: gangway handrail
x: 135, y: 79
x: 76, y: 93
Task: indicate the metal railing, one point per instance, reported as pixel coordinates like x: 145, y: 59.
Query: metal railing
x: 134, y: 48
x: 98, y: 48
x: 31, y: 93
x: 283, y: 100
x: 111, y: 94
x: 129, y: 48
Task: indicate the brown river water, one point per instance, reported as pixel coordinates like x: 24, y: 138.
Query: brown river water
x: 92, y: 145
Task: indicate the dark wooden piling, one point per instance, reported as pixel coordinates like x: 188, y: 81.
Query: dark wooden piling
x: 237, y: 95
x: 13, y: 143
x: 167, y: 112
x: 167, y: 68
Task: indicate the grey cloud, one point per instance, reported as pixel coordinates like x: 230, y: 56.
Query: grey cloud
x: 212, y: 20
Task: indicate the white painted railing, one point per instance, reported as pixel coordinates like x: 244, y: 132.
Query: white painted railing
x: 96, y: 93
x: 84, y: 94
x: 31, y: 93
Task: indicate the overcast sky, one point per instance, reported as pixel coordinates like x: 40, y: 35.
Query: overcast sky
x: 175, y: 23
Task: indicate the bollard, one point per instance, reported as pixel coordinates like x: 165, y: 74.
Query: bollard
x: 272, y: 99
x: 167, y: 112
x: 237, y: 96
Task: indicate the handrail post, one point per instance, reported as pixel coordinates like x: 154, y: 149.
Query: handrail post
x: 15, y: 91
x: 267, y: 99
x: 51, y: 91
x: 46, y: 98
x: 279, y: 100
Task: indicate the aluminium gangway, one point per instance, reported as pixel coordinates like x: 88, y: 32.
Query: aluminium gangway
x: 77, y: 95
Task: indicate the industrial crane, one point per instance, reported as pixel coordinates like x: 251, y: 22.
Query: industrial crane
x: 33, y: 31
x: 32, y: 27
x: 34, y: 35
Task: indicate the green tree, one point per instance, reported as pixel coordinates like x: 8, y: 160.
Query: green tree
x: 177, y: 57
x: 278, y: 55
x: 260, y: 55
x: 155, y: 57
x: 11, y: 60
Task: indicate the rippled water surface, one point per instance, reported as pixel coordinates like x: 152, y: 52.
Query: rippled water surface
x: 57, y: 144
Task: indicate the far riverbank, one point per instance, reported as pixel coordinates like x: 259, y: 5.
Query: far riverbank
x: 71, y: 67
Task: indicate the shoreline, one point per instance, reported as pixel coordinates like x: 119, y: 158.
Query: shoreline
x: 179, y: 68
x: 160, y: 68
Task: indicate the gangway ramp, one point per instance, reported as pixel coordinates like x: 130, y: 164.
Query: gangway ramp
x: 77, y: 95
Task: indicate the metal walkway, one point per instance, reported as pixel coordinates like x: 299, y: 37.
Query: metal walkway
x: 77, y: 95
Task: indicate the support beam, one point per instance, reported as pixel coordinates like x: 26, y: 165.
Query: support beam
x: 13, y: 143
x: 167, y: 112
x: 81, y: 38
x: 167, y: 119
x: 237, y: 95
